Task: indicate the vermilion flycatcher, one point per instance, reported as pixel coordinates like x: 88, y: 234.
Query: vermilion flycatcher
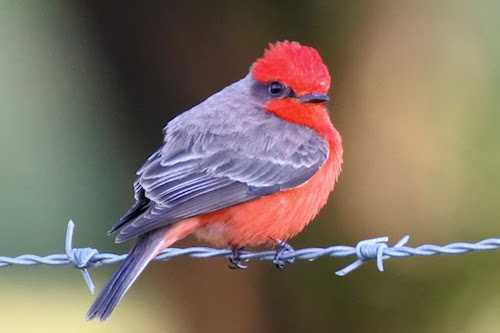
x: 252, y: 164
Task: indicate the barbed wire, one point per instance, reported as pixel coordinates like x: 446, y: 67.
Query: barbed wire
x: 366, y: 250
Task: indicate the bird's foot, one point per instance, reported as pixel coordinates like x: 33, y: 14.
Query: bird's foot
x: 283, y: 248
x: 235, y: 258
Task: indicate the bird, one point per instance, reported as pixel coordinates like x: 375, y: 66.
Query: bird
x: 251, y: 165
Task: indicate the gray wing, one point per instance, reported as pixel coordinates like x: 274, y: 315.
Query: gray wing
x: 207, y: 164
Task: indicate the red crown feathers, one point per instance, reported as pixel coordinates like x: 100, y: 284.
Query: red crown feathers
x: 299, y: 67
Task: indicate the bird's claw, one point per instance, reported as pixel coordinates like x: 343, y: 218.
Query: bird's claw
x: 235, y: 259
x: 283, y: 248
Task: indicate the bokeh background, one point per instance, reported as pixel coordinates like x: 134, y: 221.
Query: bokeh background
x: 86, y: 87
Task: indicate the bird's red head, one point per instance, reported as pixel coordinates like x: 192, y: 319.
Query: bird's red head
x: 299, y: 67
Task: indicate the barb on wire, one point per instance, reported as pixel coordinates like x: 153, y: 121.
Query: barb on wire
x: 366, y: 250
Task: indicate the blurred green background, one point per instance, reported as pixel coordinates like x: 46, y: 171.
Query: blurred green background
x: 86, y: 87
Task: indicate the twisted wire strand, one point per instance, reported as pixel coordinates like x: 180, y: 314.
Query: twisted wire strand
x: 366, y: 250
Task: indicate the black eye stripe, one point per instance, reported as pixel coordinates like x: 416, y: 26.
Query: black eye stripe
x: 278, y: 89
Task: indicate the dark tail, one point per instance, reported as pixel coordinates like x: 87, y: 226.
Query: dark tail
x: 142, y: 253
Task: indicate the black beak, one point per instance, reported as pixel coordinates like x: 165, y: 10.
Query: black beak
x: 313, y: 97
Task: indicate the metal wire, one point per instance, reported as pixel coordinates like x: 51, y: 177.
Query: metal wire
x: 366, y: 250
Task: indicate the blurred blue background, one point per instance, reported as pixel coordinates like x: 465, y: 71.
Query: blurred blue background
x: 86, y: 87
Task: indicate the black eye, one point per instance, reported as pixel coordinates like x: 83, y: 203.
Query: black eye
x: 275, y: 88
